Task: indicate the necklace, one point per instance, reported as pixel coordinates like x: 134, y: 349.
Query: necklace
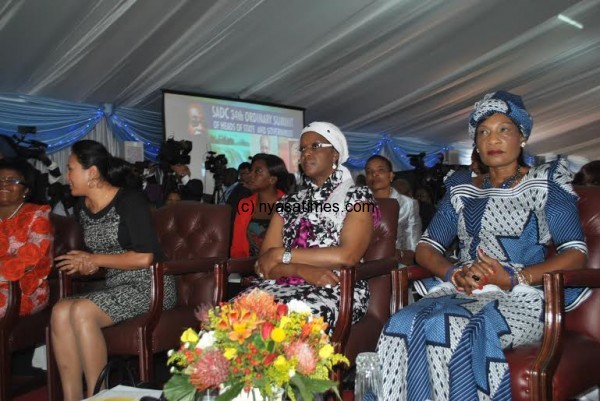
x: 509, y: 182
x: 13, y: 213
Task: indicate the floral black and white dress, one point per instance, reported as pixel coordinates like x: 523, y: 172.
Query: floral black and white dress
x: 313, y: 218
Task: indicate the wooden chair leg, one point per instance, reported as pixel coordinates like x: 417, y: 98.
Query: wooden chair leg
x: 4, y: 367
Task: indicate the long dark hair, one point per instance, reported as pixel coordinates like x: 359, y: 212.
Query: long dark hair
x: 276, y: 168
x: 114, y: 170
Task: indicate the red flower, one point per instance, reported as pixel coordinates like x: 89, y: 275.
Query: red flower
x: 29, y: 254
x: 29, y: 283
x: 282, y: 310
x: 41, y: 225
x: 12, y: 269
x: 265, y: 330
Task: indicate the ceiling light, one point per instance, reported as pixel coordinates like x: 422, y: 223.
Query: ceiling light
x: 570, y: 21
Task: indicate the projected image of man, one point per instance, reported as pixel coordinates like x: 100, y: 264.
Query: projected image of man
x: 196, y: 124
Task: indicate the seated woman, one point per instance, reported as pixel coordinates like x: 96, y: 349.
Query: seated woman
x: 118, y: 231
x: 26, y: 239
x: 268, y: 182
x: 379, y: 176
x: 319, y: 229
x: 449, y: 345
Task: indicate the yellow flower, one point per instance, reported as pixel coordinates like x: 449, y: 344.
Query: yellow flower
x: 189, y: 336
x: 230, y: 353
x: 280, y: 361
x: 277, y: 335
x: 326, y: 351
x: 284, y: 321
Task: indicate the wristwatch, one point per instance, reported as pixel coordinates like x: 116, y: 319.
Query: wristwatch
x: 287, y: 256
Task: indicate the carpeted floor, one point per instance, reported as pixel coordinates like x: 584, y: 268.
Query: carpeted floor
x: 39, y: 394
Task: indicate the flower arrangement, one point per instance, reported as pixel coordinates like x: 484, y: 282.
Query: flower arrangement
x: 254, y: 344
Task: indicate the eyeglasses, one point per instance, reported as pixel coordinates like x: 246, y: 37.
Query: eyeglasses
x: 11, y: 181
x: 314, y: 147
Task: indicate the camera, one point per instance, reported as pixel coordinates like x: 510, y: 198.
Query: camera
x: 28, y: 148
x: 175, y: 152
x: 215, y: 163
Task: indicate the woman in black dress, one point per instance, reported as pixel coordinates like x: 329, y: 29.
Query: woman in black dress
x: 120, y: 238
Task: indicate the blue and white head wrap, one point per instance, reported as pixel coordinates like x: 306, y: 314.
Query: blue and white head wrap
x: 504, y: 103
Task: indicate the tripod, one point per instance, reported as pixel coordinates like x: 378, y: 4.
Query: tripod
x: 218, y: 193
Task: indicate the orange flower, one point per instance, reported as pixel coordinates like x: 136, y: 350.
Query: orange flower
x: 260, y: 302
x: 240, y: 332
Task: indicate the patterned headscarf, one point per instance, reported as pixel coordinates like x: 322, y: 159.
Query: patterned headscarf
x: 504, y: 103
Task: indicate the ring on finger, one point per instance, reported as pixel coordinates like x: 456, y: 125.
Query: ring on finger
x: 476, y: 278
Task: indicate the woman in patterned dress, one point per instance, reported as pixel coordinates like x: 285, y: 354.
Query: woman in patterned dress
x: 25, y: 238
x: 319, y: 229
x: 449, y: 345
x: 118, y: 233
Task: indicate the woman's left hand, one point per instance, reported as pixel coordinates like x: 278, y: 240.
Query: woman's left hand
x: 76, y: 262
x: 488, y: 270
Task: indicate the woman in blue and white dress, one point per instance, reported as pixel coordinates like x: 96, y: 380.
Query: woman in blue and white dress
x: 449, y: 345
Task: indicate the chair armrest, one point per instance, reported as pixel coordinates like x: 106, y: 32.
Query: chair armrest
x: 375, y: 268
x: 13, y: 304
x: 405, y: 276
x: 580, y: 278
x: 199, y: 265
x: 241, y: 266
x: 416, y: 272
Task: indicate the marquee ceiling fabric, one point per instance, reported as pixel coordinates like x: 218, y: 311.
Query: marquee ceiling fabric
x: 399, y: 68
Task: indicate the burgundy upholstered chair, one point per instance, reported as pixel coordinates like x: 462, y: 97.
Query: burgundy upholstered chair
x: 195, y: 237
x: 565, y: 363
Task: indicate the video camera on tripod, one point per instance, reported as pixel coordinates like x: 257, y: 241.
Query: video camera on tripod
x: 216, y: 164
x: 28, y: 148
x: 174, y: 152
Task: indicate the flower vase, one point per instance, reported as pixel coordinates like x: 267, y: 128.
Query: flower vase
x: 255, y: 395
x: 206, y: 395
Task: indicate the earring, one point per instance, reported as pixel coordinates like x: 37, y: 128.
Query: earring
x: 477, y: 149
x: 522, y: 144
x: 335, y: 166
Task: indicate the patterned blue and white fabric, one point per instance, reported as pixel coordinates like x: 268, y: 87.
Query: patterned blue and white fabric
x: 448, y: 346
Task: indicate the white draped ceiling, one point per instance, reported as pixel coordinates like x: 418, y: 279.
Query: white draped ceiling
x: 401, y: 68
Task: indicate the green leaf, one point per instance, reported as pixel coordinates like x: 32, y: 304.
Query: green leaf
x: 179, y: 388
x: 231, y: 392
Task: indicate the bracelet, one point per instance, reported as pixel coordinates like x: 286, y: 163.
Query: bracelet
x: 450, y: 272
x: 453, y: 277
x: 513, y: 276
x: 522, y: 278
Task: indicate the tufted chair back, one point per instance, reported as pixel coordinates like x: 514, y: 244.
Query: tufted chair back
x: 189, y: 230
x: 583, y: 319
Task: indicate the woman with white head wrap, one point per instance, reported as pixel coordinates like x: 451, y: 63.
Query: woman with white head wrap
x: 319, y: 229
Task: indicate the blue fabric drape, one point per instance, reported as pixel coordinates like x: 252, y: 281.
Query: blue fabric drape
x: 59, y: 123
x: 138, y: 125
x: 363, y: 146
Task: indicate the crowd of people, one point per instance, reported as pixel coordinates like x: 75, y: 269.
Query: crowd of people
x: 490, y: 216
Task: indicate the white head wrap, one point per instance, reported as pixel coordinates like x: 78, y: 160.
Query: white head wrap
x: 333, y: 134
